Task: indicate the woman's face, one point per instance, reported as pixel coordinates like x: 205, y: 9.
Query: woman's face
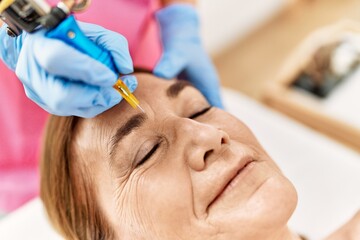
x: 182, y: 170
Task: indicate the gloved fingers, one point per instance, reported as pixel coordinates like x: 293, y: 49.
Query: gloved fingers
x: 57, y: 58
x: 170, y: 65
x: 203, y: 76
x: 130, y: 81
x: 100, y: 101
x: 113, y: 42
x: 178, y: 20
x: 62, y: 97
x: 59, y: 95
x: 35, y: 98
x: 10, y: 47
x: 208, y: 87
x: 78, y: 99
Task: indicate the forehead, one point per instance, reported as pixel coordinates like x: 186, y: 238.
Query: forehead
x: 153, y: 97
x: 150, y: 87
x: 151, y: 93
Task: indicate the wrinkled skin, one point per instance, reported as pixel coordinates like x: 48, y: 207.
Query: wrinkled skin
x: 183, y: 190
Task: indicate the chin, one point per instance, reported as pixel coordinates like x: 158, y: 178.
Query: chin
x: 274, y: 202
x: 265, y: 214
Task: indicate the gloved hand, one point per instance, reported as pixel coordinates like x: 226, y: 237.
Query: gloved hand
x: 10, y: 47
x: 64, y: 81
x: 183, y: 52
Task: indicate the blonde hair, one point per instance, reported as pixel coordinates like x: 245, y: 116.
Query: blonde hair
x: 67, y: 188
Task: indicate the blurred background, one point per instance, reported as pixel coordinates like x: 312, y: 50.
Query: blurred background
x: 250, y: 40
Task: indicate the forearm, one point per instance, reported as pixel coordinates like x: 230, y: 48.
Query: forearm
x: 168, y: 2
x: 1, y: 22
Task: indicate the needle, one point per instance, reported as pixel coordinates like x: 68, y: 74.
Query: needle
x: 127, y: 95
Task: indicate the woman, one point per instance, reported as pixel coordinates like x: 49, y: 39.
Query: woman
x: 182, y: 170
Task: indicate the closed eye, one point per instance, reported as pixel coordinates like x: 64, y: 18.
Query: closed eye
x: 156, y: 146
x: 149, y: 154
x: 195, y: 115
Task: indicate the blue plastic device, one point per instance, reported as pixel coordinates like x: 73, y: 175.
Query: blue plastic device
x: 70, y: 32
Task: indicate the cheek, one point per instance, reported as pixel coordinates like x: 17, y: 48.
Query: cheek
x: 270, y: 208
x: 165, y: 194
x: 264, y: 214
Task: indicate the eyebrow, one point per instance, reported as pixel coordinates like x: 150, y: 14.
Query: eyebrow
x: 138, y: 120
x: 133, y: 123
x: 175, y: 89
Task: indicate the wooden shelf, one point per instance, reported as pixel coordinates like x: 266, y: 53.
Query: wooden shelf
x: 252, y: 62
x: 281, y: 95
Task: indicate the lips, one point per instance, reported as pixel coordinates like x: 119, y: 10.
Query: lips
x: 226, y: 179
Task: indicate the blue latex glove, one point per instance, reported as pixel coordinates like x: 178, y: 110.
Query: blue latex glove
x: 183, y: 53
x: 10, y: 47
x: 64, y: 81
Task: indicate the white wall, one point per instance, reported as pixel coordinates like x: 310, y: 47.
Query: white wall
x: 225, y: 21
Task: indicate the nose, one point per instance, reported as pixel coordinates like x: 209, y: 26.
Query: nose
x: 201, y: 143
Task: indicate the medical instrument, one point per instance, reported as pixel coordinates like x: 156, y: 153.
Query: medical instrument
x: 32, y: 15
x: 126, y: 94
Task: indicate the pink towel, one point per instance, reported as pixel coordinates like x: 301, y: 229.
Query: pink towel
x: 22, y: 121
